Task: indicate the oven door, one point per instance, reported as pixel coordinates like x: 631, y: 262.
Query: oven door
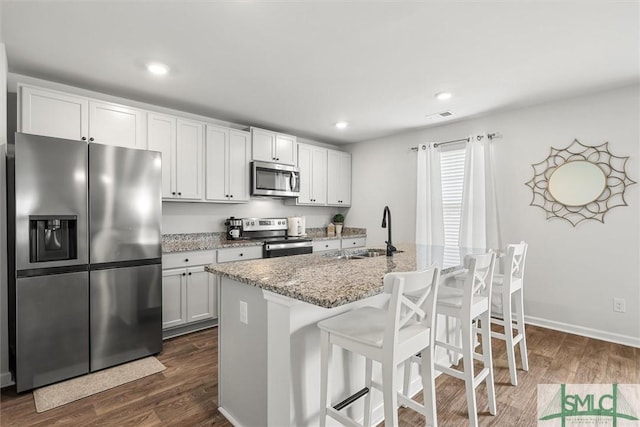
x: 272, y: 250
x: 273, y: 179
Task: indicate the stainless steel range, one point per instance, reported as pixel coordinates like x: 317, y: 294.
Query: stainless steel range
x: 273, y: 231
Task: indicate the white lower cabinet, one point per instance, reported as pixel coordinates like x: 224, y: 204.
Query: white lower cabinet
x: 174, y: 298
x: 326, y: 245
x: 189, y: 292
x: 353, y: 242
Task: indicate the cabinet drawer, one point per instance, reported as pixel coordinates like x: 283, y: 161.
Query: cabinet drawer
x: 355, y: 242
x: 326, y: 245
x: 186, y: 259
x: 239, y: 254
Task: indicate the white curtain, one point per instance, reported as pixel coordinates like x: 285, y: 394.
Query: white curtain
x: 429, y: 223
x: 479, y: 224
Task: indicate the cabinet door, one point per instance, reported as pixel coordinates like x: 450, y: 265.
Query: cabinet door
x: 200, y: 296
x: 216, y: 163
x: 174, y: 297
x: 319, y: 176
x: 118, y: 125
x: 238, y: 166
x: 161, y: 134
x: 55, y: 114
x: 262, y: 145
x: 305, y: 164
x: 189, y: 161
x: 285, y: 149
x: 339, y: 178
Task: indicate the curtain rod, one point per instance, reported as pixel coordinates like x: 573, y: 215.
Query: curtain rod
x: 491, y: 136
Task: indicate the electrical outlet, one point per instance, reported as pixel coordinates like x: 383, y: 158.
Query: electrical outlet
x: 243, y: 313
x: 619, y: 305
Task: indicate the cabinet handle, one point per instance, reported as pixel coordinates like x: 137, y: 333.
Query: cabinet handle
x: 278, y: 158
x: 326, y: 246
x: 353, y: 243
x: 184, y: 274
x: 231, y: 196
x: 179, y: 193
x: 173, y: 193
x: 84, y: 138
x: 186, y: 260
x: 241, y: 254
x: 189, y: 273
x: 91, y: 139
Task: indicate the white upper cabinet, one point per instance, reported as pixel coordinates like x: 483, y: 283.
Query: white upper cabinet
x: 51, y: 113
x: 269, y: 146
x: 117, y: 125
x: 227, y: 164
x: 181, y: 143
x: 162, y: 137
x: 312, y: 162
x: 339, y: 178
x: 189, y: 160
x: 55, y: 114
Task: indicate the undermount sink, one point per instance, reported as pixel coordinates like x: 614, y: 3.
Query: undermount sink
x: 366, y: 253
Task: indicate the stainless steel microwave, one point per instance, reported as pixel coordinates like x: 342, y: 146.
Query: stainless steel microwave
x: 274, y: 179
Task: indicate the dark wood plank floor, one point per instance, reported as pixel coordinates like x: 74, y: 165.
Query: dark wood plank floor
x: 185, y: 394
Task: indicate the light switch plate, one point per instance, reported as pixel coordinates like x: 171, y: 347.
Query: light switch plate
x: 619, y: 305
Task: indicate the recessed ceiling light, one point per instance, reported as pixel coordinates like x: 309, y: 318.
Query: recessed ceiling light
x: 443, y: 95
x: 157, y: 68
x: 342, y: 125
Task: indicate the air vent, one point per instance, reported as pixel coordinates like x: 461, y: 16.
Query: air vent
x: 440, y: 115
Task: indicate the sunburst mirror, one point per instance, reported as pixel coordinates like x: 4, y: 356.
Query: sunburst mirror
x: 579, y: 182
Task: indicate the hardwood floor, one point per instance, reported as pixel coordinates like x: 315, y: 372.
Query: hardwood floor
x: 185, y: 394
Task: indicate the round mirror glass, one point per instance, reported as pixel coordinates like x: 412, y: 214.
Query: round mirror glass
x: 577, y: 183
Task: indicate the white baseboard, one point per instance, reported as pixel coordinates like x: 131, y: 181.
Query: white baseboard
x: 585, y: 332
x: 5, y: 379
x: 229, y: 417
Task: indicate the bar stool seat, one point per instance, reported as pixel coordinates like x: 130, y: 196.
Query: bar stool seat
x: 389, y: 336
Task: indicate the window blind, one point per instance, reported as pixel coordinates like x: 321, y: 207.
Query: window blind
x: 452, y: 177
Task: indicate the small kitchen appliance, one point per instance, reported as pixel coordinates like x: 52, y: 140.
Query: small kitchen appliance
x: 275, y: 180
x: 234, y: 228
x: 296, y: 226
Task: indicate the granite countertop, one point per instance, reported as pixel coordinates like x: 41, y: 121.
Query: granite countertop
x: 324, y: 280
x: 218, y: 240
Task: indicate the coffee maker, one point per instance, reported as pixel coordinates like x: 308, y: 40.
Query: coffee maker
x: 234, y: 228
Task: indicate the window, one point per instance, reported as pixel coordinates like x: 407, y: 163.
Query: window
x: 452, y: 176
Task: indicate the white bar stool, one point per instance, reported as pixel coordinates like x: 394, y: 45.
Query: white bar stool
x: 471, y: 302
x: 504, y: 287
x: 390, y: 337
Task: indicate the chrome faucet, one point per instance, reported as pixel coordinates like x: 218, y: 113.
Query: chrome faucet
x: 387, y: 213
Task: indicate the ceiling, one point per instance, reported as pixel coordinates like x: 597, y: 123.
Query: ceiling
x: 301, y: 66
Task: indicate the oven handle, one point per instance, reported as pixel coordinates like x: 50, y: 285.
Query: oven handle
x: 293, y: 181
x: 276, y: 246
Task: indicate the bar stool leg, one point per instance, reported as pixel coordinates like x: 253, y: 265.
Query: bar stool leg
x: 467, y: 357
x: 508, y: 337
x: 488, y: 360
x: 325, y: 355
x: 367, y: 398
x: 390, y: 393
x: 428, y: 388
x: 520, y: 326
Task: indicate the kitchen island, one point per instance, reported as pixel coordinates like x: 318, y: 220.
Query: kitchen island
x: 269, y: 344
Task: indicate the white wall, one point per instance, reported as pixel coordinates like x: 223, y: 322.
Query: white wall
x: 572, y: 273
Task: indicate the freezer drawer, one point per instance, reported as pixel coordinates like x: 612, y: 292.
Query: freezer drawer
x: 126, y: 314
x: 52, y: 328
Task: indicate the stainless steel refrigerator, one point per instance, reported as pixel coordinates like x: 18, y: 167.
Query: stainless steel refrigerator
x: 84, y: 246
